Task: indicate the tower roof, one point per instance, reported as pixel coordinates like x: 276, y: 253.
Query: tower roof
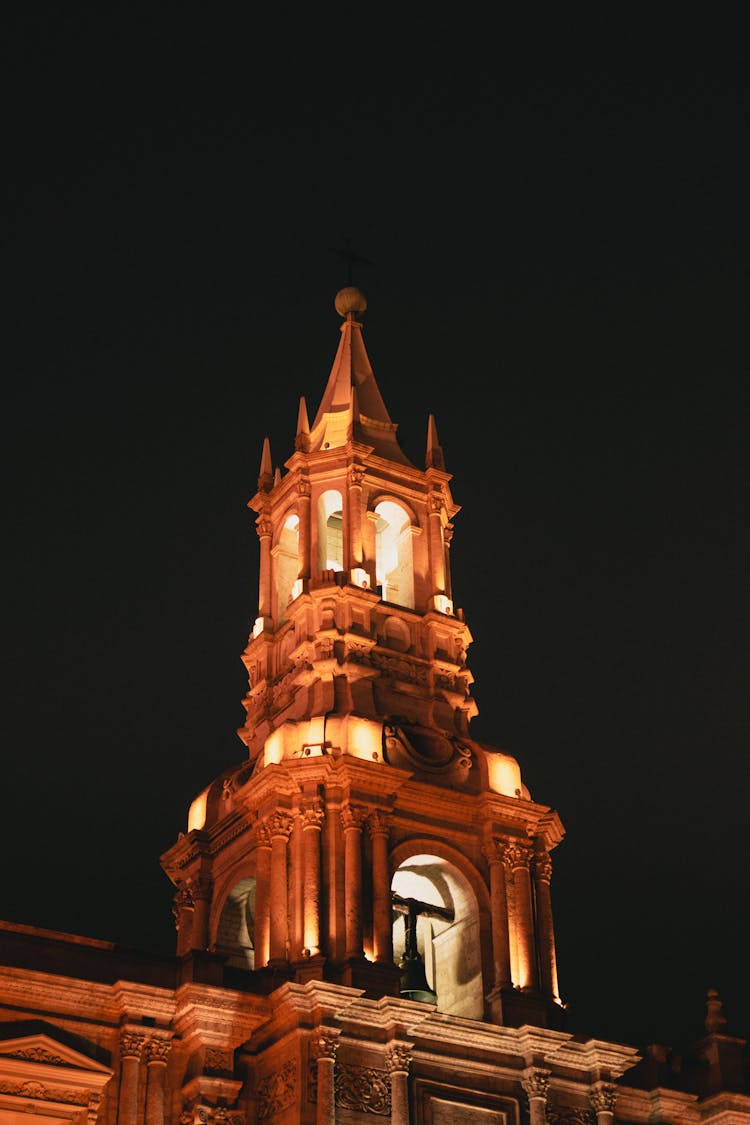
x: 352, y: 407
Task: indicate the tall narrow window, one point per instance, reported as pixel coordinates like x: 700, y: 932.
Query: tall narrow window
x: 394, y: 561
x: 286, y: 553
x: 330, y: 531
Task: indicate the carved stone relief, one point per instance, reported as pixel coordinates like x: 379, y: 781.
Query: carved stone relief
x: 276, y: 1091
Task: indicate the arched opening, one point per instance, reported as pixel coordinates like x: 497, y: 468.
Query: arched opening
x: 286, y: 553
x: 434, y: 893
x: 394, y: 560
x: 235, y: 934
x: 331, y: 531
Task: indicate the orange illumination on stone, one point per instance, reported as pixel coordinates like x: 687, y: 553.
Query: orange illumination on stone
x: 504, y: 775
x: 197, y: 812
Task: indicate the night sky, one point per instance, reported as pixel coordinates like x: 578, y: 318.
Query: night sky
x: 556, y: 223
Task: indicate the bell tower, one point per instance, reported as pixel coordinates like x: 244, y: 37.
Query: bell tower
x: 367, y: 840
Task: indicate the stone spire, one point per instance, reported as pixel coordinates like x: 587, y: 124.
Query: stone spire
x: 434, y: 457
x: 265, y: 477
x: 302, y: 439
x: 365, y: 418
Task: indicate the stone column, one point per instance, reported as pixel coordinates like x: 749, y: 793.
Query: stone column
x: 369, y: 546
x: 131, y: 1048
x: 280, y: 827
x: 437, y: 547
x: 201, y: 890
x: 447, y: 539
x: 323, y: 1049
x: 602, y: 1098
x: 494, y: 853
x: 265, y: 601
x: 157, y: 1050
x: 303, y: 493
x: 518, y: 858
x: 535, y: 1082
x: 183, y: 910
x: 311, y: 817
x: 382, y: 924
x: 356, y: 476
x: 546, y: 933
x: 262, y: 936
x: 352, y: 818
x: 397, y: 1061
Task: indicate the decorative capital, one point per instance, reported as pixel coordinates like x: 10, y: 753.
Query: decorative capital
x: 494, y: 851
x: 264, y: 527
x: 131, y: 1044
x: 543, y: 867
x: 324, y: 1042
x: 279, y: 825
x: 398, y: 1058
x: 435, y: 503
x: 183, y: 899
x: 157, y: 1050
x: 379, y: 823
x: 535, y: 1082
x: 312, y: 815
x: 602, y: 1097
x: 448, y: 534
x: 356, y: 476
x: 517, y: 856
x: 261, y: 834
x: 353, y: 816
x: 303, y: 487
x: 201, y: 888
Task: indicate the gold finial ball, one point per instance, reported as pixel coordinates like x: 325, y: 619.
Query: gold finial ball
x: 350, y: 300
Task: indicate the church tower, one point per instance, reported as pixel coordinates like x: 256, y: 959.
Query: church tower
x: 367, y: 841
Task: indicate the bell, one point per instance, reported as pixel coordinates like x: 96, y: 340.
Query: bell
x: 414, y: 984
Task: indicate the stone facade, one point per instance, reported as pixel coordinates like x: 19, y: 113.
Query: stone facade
x: 363, y: 907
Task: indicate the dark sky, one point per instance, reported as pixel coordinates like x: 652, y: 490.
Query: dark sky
x: 556, y: 218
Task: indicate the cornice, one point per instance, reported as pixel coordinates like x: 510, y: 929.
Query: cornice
x: 646, y: 1106
x: 134, y: 1001
x: 30, y: 991
x: 531, y: 818
x: 218, y: 1017
x: 367, y: 781
x: 599, y: 1059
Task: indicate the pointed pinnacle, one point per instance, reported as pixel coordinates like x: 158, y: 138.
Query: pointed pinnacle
x: 265, y: 479
x: 434, y: 458
x: 302, y: 440
x: 276, y: 476
x: 303, y: 423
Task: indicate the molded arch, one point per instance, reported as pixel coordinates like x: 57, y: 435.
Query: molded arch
x: 330, y: 509
x: 394, y: 553
x: 284, y: 524
x: 457, y: 951
x: 391, y: 498
x: 286, y: 561
x: 428, y: 845
x: 222, y: 891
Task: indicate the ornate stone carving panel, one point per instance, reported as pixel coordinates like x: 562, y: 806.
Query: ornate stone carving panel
x: 363, y: 1088
x: 276, y: 1091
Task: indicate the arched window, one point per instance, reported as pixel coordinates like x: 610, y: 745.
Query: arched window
x: 330, y: 531
x: 286, y: 553
x: 394, y: 560
x: 434, y: 899
x: 235, y: 937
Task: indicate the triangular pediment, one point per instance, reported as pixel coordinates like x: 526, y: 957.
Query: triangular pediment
x: 46, y: 1048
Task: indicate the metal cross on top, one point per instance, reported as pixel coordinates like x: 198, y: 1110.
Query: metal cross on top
x: 350, y: 257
